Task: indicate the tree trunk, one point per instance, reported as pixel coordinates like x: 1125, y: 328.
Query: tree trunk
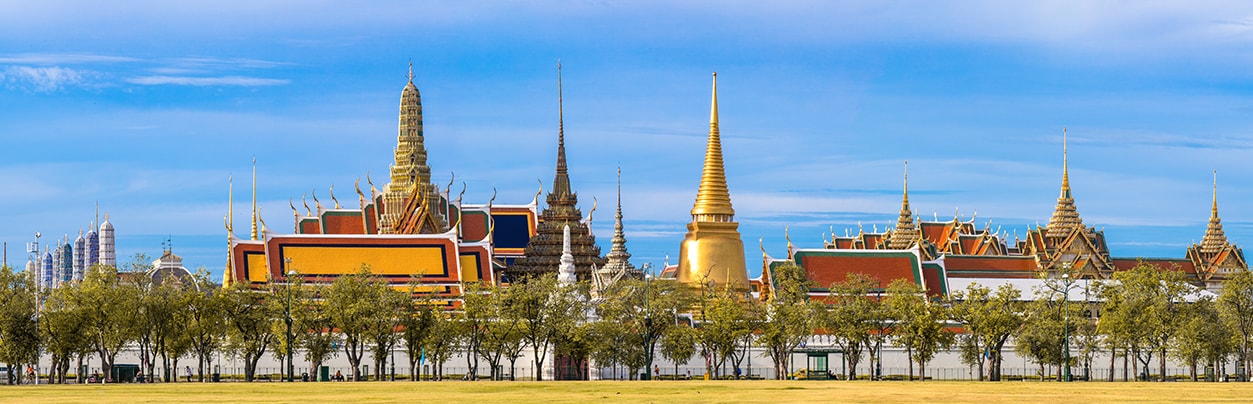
x: 909, y: 357
x: 1113, y: 353
x: 1161, y: 364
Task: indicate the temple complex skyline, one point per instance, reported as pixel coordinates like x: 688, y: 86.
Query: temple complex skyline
x: 151, y: 113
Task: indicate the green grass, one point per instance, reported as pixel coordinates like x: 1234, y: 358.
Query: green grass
x: 686, y: 392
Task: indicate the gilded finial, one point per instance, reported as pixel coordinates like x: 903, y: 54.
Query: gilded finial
x: 230, y: 207
x: 452, y: 176
x: 308, y: 212
x: 316, y: 203
x: 535, y: 200
x: 332, y: 191
x: 356, y: 186
x: 373, y: 190
x: 294, y: 213
x: 761, y: 243
x: 589, y: 215
x: 1214, y: 209
x: 410, y: 71
x: 462, y: 194
x: 254, y: 197
x: 906, y: 183
x: 787, y: 236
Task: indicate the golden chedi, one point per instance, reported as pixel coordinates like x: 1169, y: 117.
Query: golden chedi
x: 712, y: 252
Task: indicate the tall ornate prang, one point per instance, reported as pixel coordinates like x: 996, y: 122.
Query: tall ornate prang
x: 618, y: 261
x: 410, y: 174
x: 543, y: 251
x: 712, y: 251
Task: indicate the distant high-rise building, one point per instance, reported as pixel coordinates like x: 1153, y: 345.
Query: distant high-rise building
x: 107, y: 254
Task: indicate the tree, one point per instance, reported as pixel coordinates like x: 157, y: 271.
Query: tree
x: 1143, y: 305
x: 206, y: 323
x: 546, y: 309
x: 1235, y: 306
x: 1203, y: 337
x: 920, y: 323
x: 350, y: 307
x: 989, y: 319
x: 157, y: 318
x: 417, y: 318
x: 1041, y: 336
x: 445, y: 337
x: 788, y: 316
x: 848, y: 319
x: 108, y: 305
x: 250, y: 318
x: 644, y: 311
x: 19, y: 332
x: 312, y: 328
x: 381, y: 327
x: 679, y: 345
x: 726, y: 322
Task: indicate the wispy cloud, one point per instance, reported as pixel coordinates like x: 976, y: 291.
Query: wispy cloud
x: 240, y: 81
x: 40, y: 79
x: 63, y: 59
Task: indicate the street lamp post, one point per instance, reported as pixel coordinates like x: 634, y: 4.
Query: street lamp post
x: 648, y: 325
x: 291, y: 368
x: 1066, y: 329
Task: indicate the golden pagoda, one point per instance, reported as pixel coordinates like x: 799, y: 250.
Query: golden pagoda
x: 1215, y: 258
x: 1065, y: 244
x: 712, y: 252
x: 1065, y: 217
x: 906, y: 234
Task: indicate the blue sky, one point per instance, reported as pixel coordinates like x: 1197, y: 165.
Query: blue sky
x: 149, y: 106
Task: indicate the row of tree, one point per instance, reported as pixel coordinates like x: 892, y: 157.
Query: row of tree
x: 1142, y: 314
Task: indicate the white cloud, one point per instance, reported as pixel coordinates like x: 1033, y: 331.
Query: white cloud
x: 240, y: 81
x: 62, y: 58
x: 41, y: 79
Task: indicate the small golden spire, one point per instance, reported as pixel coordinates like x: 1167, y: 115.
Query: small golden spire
x: 713, y: 201
x: 254, y: 197
x: 1065, y: 167
x: 410, y: 71
x: 230, y: 205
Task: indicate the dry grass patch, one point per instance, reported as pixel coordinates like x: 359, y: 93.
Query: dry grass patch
x: 686, y: 392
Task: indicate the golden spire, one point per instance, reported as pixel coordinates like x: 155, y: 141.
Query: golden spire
x: 712, y: 252
x: 1215, y: 240
x: 1065, y: 216
x: 230, y: 228
x: 713, y: 201
x: 254, y: 197
x: 906, y: 231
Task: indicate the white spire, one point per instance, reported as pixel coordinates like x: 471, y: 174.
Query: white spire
x: 565, y: 272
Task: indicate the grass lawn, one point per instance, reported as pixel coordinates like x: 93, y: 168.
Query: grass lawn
x: 686, y: 392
